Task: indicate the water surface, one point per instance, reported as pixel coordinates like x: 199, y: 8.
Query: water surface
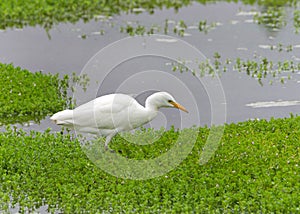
x: 235, y: 35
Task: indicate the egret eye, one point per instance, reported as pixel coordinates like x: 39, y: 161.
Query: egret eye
x: 170, y: 101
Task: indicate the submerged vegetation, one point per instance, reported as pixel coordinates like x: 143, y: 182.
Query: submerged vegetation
x: 255, y: 169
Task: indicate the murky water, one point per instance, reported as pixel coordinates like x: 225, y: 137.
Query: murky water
x: 235, y: 35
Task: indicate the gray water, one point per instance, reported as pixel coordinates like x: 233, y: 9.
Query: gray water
x: 234, y: 36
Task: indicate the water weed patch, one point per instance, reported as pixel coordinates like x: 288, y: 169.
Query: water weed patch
x: 20, y: 13
x: 255, y: 169
x: 26, y: 96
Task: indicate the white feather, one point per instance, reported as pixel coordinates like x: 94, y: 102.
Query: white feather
x: 113, y: 113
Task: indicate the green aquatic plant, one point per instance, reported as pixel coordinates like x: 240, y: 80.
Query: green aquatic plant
x: 259, y: 68
x: 135, y: 30
x: 271, y: 3
x: 20, y: 13
x: 48, y: 13
x: 297, y: 20
x: 79, y: 80
x: 262, y: 68
x: 26, y: 96
x: 30, y: 96
x: 255, y: 169
x: 178, y: 28
x: 279, y: 47
x: 203, y: 26
x: 273, y: 18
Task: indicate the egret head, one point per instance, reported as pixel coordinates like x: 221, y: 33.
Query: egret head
x: 163, y: 99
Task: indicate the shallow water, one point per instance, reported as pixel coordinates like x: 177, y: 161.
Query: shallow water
x: 235, y: 35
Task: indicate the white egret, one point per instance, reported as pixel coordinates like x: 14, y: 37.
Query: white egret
x: 109, y: 114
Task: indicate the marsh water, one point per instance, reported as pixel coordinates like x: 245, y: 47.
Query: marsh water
x: 67, y: 48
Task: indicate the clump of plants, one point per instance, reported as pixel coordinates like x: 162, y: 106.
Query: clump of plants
x: 22, y: 13
x: 297, y: 20
x: 26, y: 96
x: 48, y: 13
x: 273, y: 18
x: 179, y: 28
x: 255, y: 169
x: 259, y: 67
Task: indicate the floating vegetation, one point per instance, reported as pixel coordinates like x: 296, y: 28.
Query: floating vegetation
x: 297, y: 20
x: 258, y: 68
x: 273, y: 18
x: 255, y: 169
x: 204, y: 27
x: 18, y: 14
x: 27, y: 96
x: 279, y: 47
x: 81, y: 80
x: 48, y: 13
x: 263, y: 67
x: 178, y: 28
x: 137, y: 29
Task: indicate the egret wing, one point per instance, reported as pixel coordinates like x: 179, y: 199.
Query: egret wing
x: 104, y: 112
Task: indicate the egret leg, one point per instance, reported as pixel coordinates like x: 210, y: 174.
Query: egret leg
x: 108, y: 139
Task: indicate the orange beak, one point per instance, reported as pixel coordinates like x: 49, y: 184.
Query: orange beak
x: 177, y: 105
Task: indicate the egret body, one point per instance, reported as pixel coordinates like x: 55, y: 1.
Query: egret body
x: 109, y: 114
